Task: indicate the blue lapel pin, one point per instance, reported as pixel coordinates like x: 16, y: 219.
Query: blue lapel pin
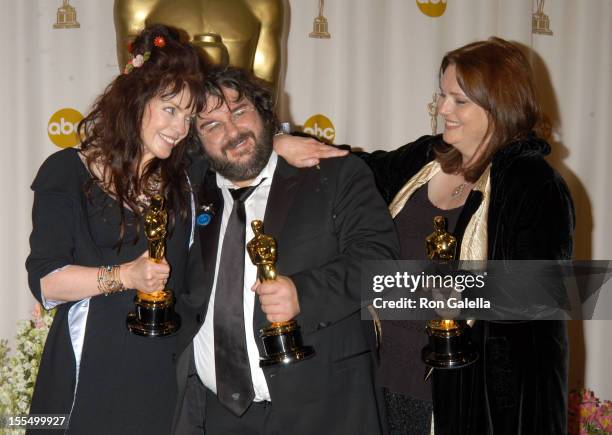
x: 205, y: 215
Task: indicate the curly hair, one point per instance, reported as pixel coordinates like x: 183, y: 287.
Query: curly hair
x: 246, y: 85
x: 111, y: 132
x: 495, y: 75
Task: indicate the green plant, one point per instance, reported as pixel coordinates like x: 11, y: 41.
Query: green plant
x: 18, y: 369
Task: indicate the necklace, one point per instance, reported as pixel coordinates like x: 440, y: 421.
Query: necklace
x: 458, y: 190
x: 152, y: 187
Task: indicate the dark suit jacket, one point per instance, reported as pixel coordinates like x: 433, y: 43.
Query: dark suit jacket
x: 325, y: 220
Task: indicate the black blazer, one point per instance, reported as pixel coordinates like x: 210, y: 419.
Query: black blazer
x: 325, y: 219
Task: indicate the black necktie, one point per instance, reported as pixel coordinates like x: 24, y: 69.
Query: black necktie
x: 234, y: 383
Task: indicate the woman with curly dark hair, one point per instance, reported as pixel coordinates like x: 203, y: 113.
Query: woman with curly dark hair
x: 89, y: 250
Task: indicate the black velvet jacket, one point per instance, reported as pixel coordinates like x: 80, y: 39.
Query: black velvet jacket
x: 519, y: 383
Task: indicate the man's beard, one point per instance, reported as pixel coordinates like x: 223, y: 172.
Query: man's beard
x: 249, y: 169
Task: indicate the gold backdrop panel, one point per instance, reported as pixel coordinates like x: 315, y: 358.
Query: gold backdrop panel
x: 245, y: 32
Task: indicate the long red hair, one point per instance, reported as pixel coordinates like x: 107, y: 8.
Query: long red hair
x: 111, y: 132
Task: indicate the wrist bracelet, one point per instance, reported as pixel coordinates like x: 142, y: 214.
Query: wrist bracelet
x: 283, y: 128
x: 109, y: 280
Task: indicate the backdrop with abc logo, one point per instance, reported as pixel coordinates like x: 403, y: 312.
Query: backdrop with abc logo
x: 361, y: 72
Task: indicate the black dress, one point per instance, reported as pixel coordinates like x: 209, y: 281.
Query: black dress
x: 408, y: 399
x: 124, y: 384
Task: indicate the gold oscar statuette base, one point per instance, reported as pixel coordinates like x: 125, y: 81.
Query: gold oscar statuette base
x: 282, y: 343
x: 153, y: 315
x: 449, y: 346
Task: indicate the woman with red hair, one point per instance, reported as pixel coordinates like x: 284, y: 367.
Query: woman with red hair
x: 487, y: 175
x: 89, y: 250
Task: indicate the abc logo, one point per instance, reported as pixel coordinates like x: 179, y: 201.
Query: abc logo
x: 62, y: 127
x: 321, y: 127
x: 432, y: 8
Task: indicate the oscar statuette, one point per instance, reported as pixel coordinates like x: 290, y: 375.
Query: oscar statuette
x: 449, y: 346
x: 282, y: 341
x: 153, y: 314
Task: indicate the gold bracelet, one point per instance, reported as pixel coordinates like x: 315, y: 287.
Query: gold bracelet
x: 109, y: 280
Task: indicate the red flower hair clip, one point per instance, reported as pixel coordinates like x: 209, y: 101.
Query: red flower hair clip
x: 159, y: 42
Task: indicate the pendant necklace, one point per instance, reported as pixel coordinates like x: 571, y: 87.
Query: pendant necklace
x: 458, y: 190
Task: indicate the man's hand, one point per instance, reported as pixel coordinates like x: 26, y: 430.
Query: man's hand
x: 279, y: 299
x: 304, y: 152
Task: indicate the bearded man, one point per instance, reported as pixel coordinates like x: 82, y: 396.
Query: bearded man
x: 325, y: 220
